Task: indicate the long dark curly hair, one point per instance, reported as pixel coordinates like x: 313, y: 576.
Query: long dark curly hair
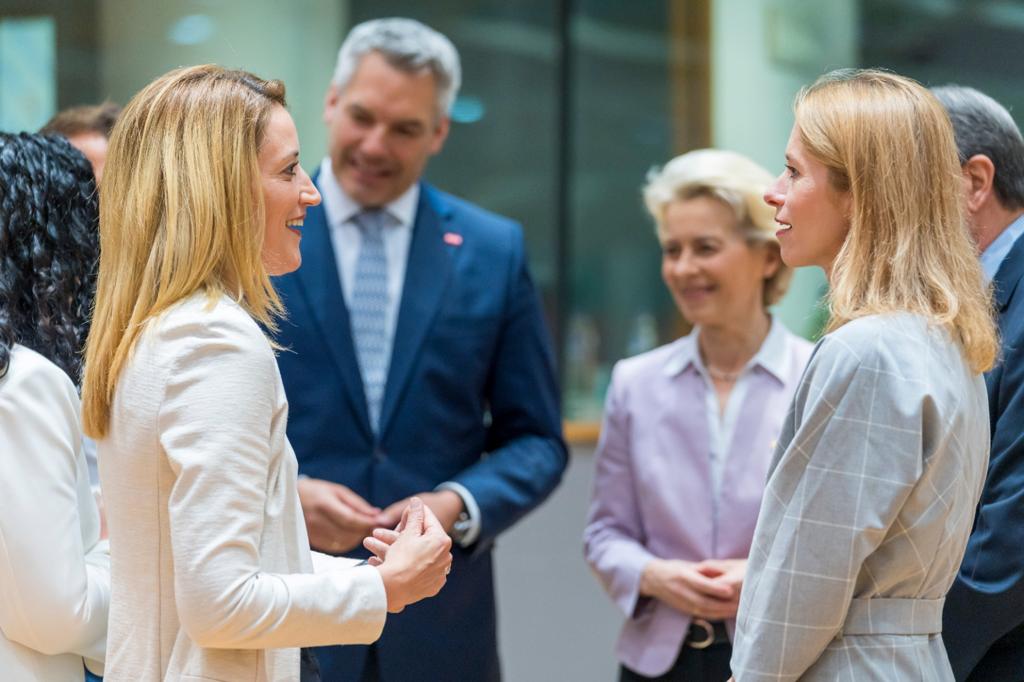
x: 49, y: 247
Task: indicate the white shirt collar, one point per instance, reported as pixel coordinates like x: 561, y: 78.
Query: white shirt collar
x: 771, y: 356
x: 340, y: 208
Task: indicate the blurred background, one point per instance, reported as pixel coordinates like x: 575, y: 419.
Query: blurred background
x: 565, y: 106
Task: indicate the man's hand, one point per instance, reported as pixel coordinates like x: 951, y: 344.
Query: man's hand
x: 445, y: 504
x: 414, y: 559
x: 683, y: 587
x: 337, y: 519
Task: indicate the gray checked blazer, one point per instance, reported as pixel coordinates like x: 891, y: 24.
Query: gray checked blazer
x: 869, y: 503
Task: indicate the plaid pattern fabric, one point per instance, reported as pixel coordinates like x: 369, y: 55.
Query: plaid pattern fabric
x: 869, y: 503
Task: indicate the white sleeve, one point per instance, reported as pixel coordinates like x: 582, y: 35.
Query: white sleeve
x: 54, y: 577
x: 322, y: 563
x: 472, y: 511
x: 214, y: 425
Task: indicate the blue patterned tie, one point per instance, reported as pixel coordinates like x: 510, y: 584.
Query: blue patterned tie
x: 369, y: 305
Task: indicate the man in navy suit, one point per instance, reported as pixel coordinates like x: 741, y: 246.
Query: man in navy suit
x: 983, y: 619
x: 417, y: 358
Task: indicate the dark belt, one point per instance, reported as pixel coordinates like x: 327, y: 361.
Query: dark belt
x: 703, y: 633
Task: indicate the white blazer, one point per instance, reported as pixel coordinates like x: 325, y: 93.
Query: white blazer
x: 54, y: 570
x: 212, y: 574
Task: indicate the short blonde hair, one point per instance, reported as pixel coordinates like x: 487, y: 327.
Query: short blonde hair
x: 887, y: 141
x: 732, y: 179
x: 180, y: 212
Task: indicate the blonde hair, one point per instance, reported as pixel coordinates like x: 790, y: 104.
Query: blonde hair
x: 180, y: 213
x: 732, y: 179
x: 888, y: 142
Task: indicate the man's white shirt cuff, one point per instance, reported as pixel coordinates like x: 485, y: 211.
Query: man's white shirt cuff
x: 472, y: 509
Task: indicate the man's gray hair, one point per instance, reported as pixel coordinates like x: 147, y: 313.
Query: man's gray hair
x: 408, y: 46
x: 984, y: 126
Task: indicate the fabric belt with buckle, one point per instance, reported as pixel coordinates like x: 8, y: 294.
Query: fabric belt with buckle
x: 703, y: 633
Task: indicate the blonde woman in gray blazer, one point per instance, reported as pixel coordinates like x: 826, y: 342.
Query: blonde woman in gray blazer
x: 212, y: 575
x: 872, y: 489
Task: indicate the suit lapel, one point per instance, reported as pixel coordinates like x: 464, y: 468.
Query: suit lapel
x: 321, y: 285
x: 426, y: 278
x: 1008, y: 276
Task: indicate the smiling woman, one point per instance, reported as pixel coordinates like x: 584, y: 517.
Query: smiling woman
x: 872, y: 488
x: 201, y: 202
x: 691, y: 424
x: 814, y: 216
x: 287, y: 192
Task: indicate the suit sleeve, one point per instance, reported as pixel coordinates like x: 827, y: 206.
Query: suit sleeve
x: 54, y: 571
x: 991, y: 578
x: 214, y: 425
x: 828, y: 505
x: 613, y: 540
x: 526, y: 453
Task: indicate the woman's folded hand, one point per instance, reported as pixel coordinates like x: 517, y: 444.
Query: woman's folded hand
x: 414, y: 559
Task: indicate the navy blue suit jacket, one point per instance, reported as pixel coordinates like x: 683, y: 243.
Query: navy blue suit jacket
x: 983, y: 619
x: 471, y: 397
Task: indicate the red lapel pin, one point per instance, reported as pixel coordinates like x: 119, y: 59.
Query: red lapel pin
x: 452, y: 239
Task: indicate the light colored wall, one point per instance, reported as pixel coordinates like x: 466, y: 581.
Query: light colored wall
x: 555, y: 623
x: 28, y: 72
x: 296, y: 42
x: 762, y: 52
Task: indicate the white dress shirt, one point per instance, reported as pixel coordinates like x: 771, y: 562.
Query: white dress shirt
x: 346, y: 239
x: 771, y: 357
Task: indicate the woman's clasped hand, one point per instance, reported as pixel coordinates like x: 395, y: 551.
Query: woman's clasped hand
x: 414, y: 559
x: 706, y: 589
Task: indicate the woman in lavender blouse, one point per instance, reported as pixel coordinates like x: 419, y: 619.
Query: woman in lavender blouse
x: 689, y: 427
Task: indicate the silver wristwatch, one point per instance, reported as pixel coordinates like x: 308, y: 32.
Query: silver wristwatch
x: 461, y: 527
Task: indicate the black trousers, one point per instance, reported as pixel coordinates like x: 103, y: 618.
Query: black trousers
x: 692, y: 665
x: 309, y: 668
x: 371, y: 669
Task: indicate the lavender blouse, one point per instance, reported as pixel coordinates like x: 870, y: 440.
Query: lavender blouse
x: 675, y: 480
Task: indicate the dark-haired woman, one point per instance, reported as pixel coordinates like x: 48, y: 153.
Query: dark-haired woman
x: 54, y: 570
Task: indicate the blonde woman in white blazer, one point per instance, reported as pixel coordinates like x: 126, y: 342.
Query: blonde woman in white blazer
x: 213, y: 578
x: 54, y: 570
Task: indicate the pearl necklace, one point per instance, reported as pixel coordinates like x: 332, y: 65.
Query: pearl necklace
x: 721, y: 375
